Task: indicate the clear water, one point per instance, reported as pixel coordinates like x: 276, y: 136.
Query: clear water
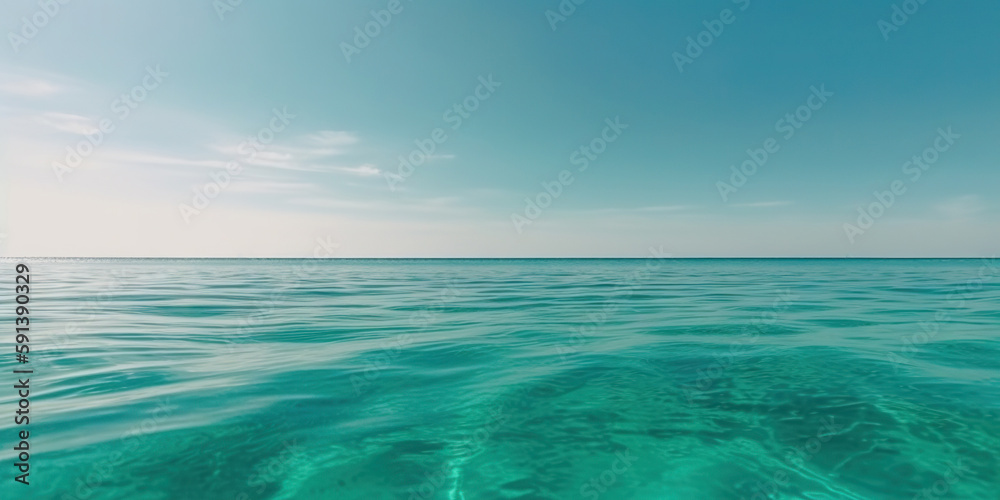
x: 531, y: 379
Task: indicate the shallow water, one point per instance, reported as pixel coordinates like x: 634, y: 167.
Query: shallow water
x: 469, y: 379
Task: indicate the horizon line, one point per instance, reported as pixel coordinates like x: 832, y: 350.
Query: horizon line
x: 506, y: 258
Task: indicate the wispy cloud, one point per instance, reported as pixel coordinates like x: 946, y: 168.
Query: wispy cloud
x: 66, y: 122
x: 272, y: 187
x: 125, y: 157
x: 763, y: 204
x: 665, y: 208
x: 310, y: 153
x: 334, y: 138
x: 366, y: 170
x: 29, y: 87
x: 438, y: 204
x: 440, y: 157
x: 655, y: 208
x: 962, y: 206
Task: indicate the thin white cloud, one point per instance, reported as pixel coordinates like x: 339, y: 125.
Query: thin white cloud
x: 366, y: 170
x: 439, y: 204
x: 66, y: 122
x: 29, y: 87
x: 763, y: 204
x: 665, y: 208
x: 304, y: 154
x: 963, y: 206
x: 332, y: 138
x: 271, y: 187
x: 140, y: 158
x: 335, y: 203
x: 658, y: 208
x: 273, y: 159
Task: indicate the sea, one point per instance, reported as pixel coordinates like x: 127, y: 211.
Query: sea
x: 656, y: 378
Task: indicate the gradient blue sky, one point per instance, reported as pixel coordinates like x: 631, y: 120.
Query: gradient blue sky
x: 323, y: 176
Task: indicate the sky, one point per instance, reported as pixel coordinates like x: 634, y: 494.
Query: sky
x: 412, y: 128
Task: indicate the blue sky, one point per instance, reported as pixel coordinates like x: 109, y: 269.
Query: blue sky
x: 331, y: 128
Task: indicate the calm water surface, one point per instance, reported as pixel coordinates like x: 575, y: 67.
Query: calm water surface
x: 494, y: 379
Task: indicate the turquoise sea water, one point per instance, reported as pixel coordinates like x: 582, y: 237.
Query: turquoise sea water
x: 529, y: 379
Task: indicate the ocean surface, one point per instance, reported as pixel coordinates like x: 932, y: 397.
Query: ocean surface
x: 501, y: 379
